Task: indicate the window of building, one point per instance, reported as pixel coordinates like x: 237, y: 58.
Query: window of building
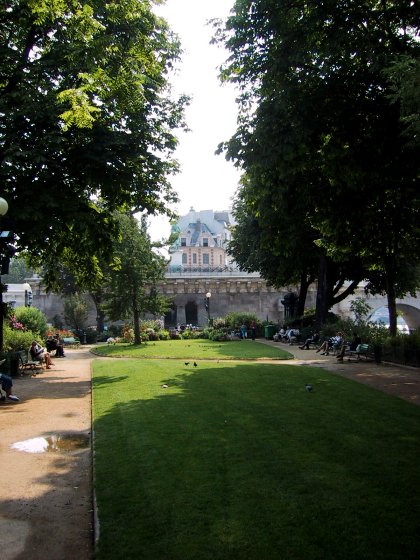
x: 205, y: 242
x: 184, y: 258
x: 206, y: 258
x: 183, y: 241
x: 194, y: 258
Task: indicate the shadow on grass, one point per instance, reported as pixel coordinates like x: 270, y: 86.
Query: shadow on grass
x: 241, y: 462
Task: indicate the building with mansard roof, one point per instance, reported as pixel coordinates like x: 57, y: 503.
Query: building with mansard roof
x: 201, y: 242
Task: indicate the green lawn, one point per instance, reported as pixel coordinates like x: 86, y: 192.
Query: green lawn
x: 195, y: 349
x: 236, y: 461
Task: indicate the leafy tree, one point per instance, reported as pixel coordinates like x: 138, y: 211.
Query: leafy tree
x: 18, y: 271
x: 86, y: 124
x: 131, y: 287
x: 76, y: 311
x: 317, y: 122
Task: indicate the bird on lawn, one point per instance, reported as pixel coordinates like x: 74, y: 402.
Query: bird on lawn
x: 164, y: 386
x: 187, y: 363
x: 195, y: 364
x: 309, y: 388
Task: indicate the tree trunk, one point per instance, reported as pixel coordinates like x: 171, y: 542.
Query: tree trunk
x: 322, y: 292
x: 392, y: 304
x: 305, y: 282
x: 136, y: 320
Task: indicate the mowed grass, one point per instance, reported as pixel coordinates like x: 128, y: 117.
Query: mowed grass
x: 195, y: 349
x: 238, y: 461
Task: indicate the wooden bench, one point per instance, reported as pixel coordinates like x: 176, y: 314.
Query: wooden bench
x: 71, y: 342
x: 26, y: 362
x: 362, y: 351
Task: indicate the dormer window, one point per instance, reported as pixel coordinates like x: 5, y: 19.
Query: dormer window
x: 183, y: 241
x: 205, y: 242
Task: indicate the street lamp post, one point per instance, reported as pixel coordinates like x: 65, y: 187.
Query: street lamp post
x: 207, y: 304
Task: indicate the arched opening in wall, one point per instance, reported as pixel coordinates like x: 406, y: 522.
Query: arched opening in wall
x: 408, y: 318
x: 171, y: 316
x: 191, y: 313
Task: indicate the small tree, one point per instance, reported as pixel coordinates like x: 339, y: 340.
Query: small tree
x: 131, y: 289
x: 76, y: 311
x: 360, y: 310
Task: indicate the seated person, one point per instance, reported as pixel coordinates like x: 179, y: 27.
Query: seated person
x: 292, y: 334
x: 7, y: 384
x: 39, y: 354
x: 333, y: 342
x: 314, y: 339
x: 356, y: 340
x: 59, y: 347
x: 280, y: 335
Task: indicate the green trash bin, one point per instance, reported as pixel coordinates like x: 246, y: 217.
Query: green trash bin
x: 269, y: 331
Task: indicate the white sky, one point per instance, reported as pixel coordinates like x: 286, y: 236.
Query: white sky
x: 206, y: 181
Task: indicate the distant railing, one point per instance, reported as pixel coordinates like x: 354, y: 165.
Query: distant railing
x: 188, y: 270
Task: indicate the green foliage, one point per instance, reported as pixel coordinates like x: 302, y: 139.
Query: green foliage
x: 14, y: 340
x: 234, y: 320
x: 338, y: 162
x: 360, y: 309
x: 88, y: 118
x: 76, y: 311
x: 164, y: 335
x: 18, y: 271
x: 219, y: 335
x: 33, y: 319
x: 130, y: 289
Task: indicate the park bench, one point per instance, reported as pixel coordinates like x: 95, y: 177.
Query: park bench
x: 71, y: 342
x: 362, y: 351
x: 26, y: 362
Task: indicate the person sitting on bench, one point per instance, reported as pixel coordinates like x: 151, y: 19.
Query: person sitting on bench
x: 314, y: 339
x: 39, y: 354
x: 352, y: 346
x: 53, y: 343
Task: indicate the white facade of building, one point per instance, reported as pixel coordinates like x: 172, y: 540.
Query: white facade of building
x: 201, y: 241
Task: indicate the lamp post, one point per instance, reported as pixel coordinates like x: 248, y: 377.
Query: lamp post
x: 207, y: 304
x: 28, y: 294
x: 3, y: 211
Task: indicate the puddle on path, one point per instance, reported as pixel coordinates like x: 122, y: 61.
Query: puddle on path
x: 53, y: 443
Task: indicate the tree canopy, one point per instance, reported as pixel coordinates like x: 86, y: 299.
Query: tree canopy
x: 87, y: 123
x: 321, y: 121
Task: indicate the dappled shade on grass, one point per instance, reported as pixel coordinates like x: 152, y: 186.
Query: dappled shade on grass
x: 239, y: 461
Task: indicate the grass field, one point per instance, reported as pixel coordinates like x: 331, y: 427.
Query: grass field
x: 237, y: 461
x: 196, y: 349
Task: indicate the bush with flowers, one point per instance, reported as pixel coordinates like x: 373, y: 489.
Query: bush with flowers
x: 17, y: 339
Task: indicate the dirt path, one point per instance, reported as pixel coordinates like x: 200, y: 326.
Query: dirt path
x: 46, y: 507
x: 46, y: 497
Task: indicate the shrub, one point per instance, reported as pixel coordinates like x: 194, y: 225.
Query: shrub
x: 14, y: 340
x: 91, y: 335
x: 219, y: 335
x: 164, y: 335
x: 33, y: 320
x: 233, y: 321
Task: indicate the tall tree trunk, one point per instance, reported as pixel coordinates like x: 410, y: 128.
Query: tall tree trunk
x: 322, y: 294
x: 305, y: 282
x: 391, y: 298
x: 136, y: 320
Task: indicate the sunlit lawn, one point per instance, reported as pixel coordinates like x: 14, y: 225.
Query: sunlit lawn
x: 195, y: 349
x: 238, y: 461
